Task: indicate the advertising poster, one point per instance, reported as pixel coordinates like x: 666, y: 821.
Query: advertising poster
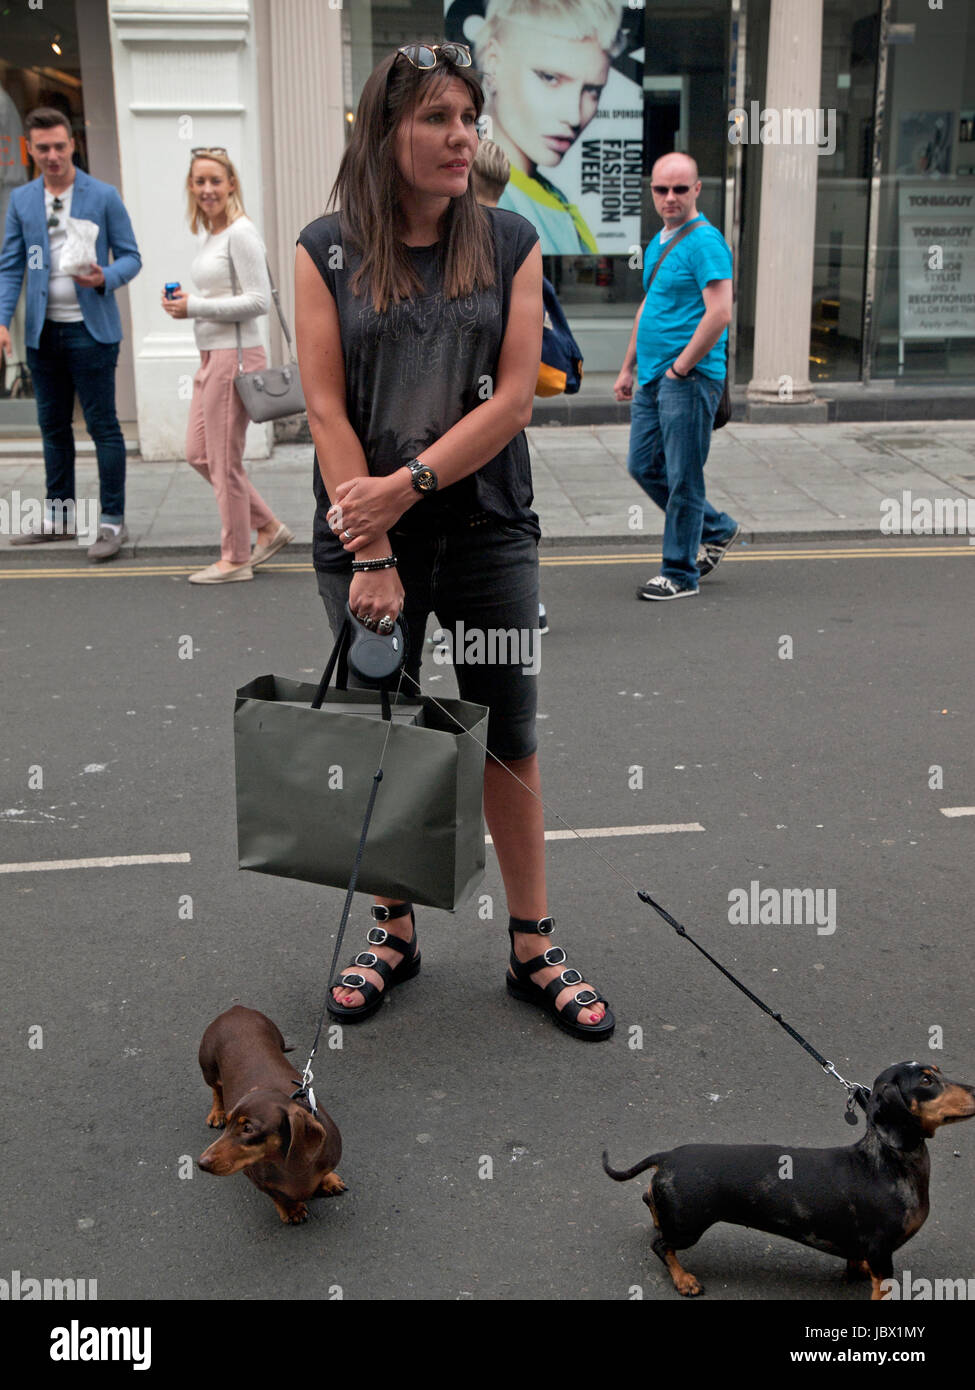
x: 937, y: 260
x: 564, y: 99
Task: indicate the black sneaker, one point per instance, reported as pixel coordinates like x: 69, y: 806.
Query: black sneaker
x: 662, y: 588
x: 709, y: 557
x: 542, y: 620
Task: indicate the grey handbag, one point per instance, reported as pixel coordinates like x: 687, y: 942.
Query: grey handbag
x: 272, y: 391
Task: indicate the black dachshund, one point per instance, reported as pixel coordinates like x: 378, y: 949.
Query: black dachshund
x: 861, y: 1202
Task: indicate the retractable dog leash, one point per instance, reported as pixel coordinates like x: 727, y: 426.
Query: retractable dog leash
x: 377, y: 657
x: 856, y: 1093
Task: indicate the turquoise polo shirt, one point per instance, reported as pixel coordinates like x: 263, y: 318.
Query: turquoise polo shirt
x: 674, y: 306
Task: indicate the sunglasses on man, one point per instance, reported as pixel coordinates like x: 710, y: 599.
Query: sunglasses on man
x: 56, y: 206
x: 661, y: 189
x: 424, y: 55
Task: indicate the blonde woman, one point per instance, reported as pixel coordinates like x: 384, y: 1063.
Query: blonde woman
x: 545, y: 64
x: 230, y: 273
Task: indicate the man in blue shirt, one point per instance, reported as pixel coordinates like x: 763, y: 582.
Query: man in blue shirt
x: 679, y: 349
x: 73, y: 328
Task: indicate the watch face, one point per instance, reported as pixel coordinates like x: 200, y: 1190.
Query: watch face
x: 424, y: 479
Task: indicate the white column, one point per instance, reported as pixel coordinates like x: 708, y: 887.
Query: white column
x: 783, y: 303
x: 303, y: 130
x: 185, y: 75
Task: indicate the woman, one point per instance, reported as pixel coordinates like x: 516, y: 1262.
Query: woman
x: 231, y: 273
x: 419, y: 334
x: 545, y: 63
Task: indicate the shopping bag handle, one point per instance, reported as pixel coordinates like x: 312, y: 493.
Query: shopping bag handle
x: 339, y: 657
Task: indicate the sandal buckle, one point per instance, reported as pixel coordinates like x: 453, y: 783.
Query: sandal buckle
x: 350, y: 982
x: 555, y: 956
x: 366, y: 958
x: 380, y: 912
x: 376, y: 936
x: 586, y: 996
x: 572, y: 977
x: 546, y: 926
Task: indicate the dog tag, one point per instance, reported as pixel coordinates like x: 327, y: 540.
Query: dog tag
x: 850, y: 1114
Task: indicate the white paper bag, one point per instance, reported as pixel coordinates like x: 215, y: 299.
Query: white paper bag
x: 78, y: 252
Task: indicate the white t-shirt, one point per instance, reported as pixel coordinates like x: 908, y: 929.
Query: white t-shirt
x: 216, y: 309
x: 62, y: 292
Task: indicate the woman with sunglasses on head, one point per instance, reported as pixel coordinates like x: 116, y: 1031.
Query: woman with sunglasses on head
x: 419, y: 324
x: 230, y: 271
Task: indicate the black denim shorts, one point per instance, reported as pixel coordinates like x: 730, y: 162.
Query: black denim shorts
x: 481, y: 581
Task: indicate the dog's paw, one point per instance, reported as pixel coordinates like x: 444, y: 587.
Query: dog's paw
x: 294, y: 1215
x: 687, y: 1285
x: 217, y: 1118
x: 332, y: 1185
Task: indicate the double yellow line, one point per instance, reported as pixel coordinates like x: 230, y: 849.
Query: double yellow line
x: 759, y: 554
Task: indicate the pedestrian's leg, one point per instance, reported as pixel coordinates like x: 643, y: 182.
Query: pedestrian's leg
x: 226, y: 427
x: 93, y: 367
x: 196, y: 434
x: 54, y: 394
x: 645, y: 460
x: 686, y: 417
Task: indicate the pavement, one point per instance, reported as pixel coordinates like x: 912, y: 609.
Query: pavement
x: 781, y: 482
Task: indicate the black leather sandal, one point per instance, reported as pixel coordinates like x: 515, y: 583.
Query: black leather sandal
x: 523, y: 987
x: 391, y: 975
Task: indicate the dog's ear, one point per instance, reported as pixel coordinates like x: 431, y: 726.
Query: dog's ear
x: 888, y: 1111
x: 301, y: 1133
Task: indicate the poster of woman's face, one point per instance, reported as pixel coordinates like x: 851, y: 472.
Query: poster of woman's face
x: 563, y: 83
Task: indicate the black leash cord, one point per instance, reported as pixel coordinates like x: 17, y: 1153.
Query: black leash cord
x: 855, y: 1092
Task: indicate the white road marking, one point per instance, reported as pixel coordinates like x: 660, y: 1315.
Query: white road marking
x: 115, y: 861
x: 611, y: 831
x: 958, y: 810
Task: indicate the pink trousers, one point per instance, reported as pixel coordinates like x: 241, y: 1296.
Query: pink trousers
x: 215, y: 448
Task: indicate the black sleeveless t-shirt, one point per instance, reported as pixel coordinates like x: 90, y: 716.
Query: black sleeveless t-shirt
x: 412, y: 372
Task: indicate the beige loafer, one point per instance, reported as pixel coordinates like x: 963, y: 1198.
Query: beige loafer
x: 278, y: 541
x: 213, y: 575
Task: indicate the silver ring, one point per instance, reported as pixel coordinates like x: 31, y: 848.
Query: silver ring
x: 386, y: 624
x: 347, y: 534
x: 368, y: 622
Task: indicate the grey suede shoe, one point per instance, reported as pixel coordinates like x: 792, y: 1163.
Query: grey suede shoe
x: 109, y: 543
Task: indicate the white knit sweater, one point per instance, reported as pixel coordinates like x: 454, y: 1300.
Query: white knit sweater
x: 216, y: 308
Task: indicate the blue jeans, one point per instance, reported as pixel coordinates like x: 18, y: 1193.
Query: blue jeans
x: 68, y: 360
x: 670, y: 435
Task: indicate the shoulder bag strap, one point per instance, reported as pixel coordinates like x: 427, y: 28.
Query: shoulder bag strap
x: 275, y: 295
x: 235, y: 288
x: 678, y: 236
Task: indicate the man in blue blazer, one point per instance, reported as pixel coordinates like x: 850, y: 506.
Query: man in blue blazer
x: 73, y: 328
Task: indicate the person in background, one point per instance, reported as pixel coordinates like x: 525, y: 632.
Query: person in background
x: 230, y: 270
x: 73, y: 328
x: 679, y: 346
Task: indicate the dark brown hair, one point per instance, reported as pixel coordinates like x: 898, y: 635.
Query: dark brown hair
x: 46, y: 118
x: 366, y: 190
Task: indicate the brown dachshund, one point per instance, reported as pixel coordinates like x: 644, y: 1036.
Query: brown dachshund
x: 284, y: 1149
x: 861, y: 1202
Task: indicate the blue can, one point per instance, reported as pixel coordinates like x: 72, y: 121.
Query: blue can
x: 170, y: 287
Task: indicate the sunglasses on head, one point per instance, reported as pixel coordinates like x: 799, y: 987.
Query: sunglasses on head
x: 424, y: 55
x: 679, y: 188
x: 207, y: 149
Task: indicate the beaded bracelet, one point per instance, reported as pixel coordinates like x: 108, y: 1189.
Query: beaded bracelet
x: 387, y: 563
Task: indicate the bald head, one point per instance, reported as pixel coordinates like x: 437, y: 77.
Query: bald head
x: 673, y: 172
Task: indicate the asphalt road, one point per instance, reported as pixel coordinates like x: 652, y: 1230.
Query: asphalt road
x: 809, y: 771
